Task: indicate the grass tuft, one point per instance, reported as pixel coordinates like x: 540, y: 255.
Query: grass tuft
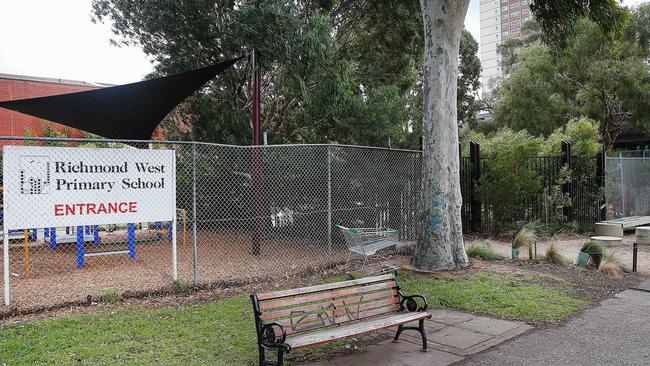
x: 612, y: 265
x: 111, y: 296
x: 553, y: 256
x: 525, y: 238
x: 484, y: 251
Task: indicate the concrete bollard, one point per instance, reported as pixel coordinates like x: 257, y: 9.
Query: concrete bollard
x: 643, y: 235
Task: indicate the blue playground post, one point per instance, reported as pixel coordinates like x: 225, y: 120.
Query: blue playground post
x: 80, y: 247
x: 53, y: 238
x: 96, y: 234
x: 87, y: 229
x: 33, y: 235
x: 169, y: 231
x: 130, y: 230
x: 46, y: 232
x: 158, y: 228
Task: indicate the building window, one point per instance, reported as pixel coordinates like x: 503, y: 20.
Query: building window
x: 515, y: 31
x: 515, y: 13
x: 525, y: 12
x: 524, y: 2
x: 514, y: 6
x: 504, y: 17
x: 504, y: 8
x: 525, y: 19
x: 505, y: 34
x: 514, y: 22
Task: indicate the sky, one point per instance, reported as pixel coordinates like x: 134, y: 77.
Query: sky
x: 56, y: 39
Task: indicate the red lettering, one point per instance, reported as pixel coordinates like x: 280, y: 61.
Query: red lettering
x: 69, y: 210
x: 91, y: 208
x: 133, y: 207
x: 58, y: 209
x: 124, y: 207
x: 112, y: 207
x: 102, y: 208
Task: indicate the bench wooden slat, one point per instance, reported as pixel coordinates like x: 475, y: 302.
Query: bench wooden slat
x: 341, y: 320
x: 324, y: 287
x: 333, y: 316
x: 353, y: 329
x: 285, y: 302
x: 278, y: 314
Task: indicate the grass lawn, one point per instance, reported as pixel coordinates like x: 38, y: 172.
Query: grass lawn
x: 222, y: 333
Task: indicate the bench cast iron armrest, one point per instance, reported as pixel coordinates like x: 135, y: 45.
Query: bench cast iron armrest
x: 271, y: 340
x: 412, y: 304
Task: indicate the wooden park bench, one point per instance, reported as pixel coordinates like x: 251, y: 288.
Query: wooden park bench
x: 368, y: 241
x: 308, y: 316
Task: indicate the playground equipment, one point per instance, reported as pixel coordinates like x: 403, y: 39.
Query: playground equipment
x: 83, y: 234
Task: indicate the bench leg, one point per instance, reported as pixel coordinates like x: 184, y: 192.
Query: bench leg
x: 400, y: 328
x: 419, y: 328
x: 424, y: 335
x: 264, y: 362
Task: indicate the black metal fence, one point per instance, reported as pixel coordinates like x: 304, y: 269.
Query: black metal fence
x: 568, y: 189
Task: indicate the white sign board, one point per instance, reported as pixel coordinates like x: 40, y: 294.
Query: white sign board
x: 61, y: 186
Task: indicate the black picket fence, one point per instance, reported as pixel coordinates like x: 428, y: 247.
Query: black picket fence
x: 575, y: 196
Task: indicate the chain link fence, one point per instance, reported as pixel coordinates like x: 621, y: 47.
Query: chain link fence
x: 627, y: 186
x: 243, y: 214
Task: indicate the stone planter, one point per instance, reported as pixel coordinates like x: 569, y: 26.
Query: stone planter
x: 582, y: 259
x: 514, y: 253
x: 643, y: 235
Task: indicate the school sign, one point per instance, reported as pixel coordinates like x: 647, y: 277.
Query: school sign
x: 60, y: 186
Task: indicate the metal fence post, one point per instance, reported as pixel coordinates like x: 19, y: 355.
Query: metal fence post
x: 195, y: 259
x: 475, y: 160
x: 566, y: 187
x: 329, y: 201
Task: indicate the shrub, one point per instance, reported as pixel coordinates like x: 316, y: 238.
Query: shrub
x: 553, y: 256
x: 483, y: 250
x: 595, y: 252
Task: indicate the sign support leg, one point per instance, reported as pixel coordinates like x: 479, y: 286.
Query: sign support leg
x: 174, y: 257
x: 5, y: 243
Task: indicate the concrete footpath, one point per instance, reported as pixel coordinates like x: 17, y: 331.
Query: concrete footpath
x: 615, y: 333
x: 451, y: 336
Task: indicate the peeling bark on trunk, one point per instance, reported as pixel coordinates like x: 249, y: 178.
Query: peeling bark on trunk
x: 440, y: 245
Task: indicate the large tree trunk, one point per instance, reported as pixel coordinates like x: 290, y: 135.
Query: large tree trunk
x: 440, y: 245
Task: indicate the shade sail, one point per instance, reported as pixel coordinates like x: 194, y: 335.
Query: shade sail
x: 130, y: 111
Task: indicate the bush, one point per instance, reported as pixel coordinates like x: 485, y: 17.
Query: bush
x: 484, y: 251
x: 595, y: 252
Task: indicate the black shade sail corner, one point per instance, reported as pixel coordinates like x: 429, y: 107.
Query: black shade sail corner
x: 130, y: 111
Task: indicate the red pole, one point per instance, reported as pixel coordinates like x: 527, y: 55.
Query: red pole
x: 256, y: 176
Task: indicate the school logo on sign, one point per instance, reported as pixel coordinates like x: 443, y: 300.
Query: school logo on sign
x: 34, y: 174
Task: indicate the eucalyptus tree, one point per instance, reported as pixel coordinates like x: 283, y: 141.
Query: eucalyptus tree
x: 440, y: 245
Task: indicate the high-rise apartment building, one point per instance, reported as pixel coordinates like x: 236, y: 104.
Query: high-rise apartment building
x: 500, y: 20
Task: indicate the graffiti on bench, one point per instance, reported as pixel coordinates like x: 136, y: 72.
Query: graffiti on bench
x: 326, y: 315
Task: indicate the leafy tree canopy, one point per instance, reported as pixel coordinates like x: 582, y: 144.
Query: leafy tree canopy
x: 342, y: 71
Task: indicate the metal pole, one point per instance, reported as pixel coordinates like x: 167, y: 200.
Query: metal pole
x: 635, y: 249
x: 256, y: 173
x: 195, y: 257
x: 329, y: 202
x: 266, y: 141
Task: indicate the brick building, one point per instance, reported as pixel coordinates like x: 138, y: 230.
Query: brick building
x: 14, y: 87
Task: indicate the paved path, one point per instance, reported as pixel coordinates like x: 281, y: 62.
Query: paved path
x: 615, y: 333
x: 451, y: 335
